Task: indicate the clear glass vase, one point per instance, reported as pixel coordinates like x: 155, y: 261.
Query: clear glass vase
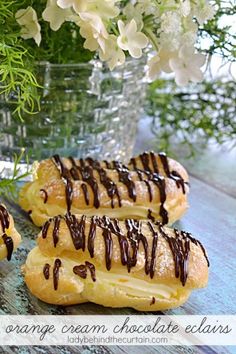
x: 85, y: 110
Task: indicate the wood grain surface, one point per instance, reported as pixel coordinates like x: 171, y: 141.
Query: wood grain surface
x: 211, y: 218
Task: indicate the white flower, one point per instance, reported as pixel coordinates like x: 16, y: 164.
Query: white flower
x: 171, y: 42
x: 132, y: 12
x: 186, y: 66
x: 146, y: 6
x: 113, y: 55
x: 130, y: 39
x: 185, y: 7
x: 106, y: 9
x: 93, y: 30
x: 55, y: 15
x: 28, y: 20
x: 170, y: 22
x: 159, y: 63
x: 203, y: 12
x: 78, y: 5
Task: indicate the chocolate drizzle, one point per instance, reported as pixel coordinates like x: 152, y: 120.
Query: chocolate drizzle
x: 129, y: 243
x: 86, y: 194
x: 147, y: 176
x: 84, y: 170
x: 110, y: 186
x: 4, y: 218
x: 56, y: 269
x: 55, y: 233
x: 77, y: 229
x: 171, y: 174
x: 150, y: 216
x: 64, y: 172
x: 125, y: 178
x: 152, y: 301
x: 9, y: 245
x: 86, y: 173
x: 45, y: 195
x: 45, y: 228
x: 81, y: 270
x: 91, y: 236
x: 108, y: 241
x: 154, y: 249
x: 5, y: 224
x: 46, y: 271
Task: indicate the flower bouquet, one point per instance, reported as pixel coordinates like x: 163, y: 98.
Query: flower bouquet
x: 113, y: 36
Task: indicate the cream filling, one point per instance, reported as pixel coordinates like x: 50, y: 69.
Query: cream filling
x: 137, y: 287
x: 129, y: 209
x: 51, y: 210
x: 124, y: 282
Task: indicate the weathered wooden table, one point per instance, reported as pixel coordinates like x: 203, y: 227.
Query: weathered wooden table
x: 211, y: 217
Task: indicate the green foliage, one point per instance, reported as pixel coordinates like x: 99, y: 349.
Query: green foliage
x: 16, y: 77
x: 9, y: 186
x: 18, y: 57
x: 222, y: 37
x: 202, y: 112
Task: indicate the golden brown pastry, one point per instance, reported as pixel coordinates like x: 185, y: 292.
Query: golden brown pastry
x: 113, y: 263
x: 9, y: 237
x: 150, y: 186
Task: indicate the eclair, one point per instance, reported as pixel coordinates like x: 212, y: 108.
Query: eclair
x: 131, y: 263
x: 150, y: 186
x: 9, y: 237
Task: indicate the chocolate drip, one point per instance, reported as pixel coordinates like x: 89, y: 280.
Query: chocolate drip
x: 180, y: 248
x: 45, y: 228
x: 171, y: 174
x: 108, y: 243
x: 110, y: 186
x: 149, y: 190
x: 45, y: 195
x: 66, y: 178
x: 125, y: 177
x: 56, y: 269
x: 135, y: 236
x: 55, y: 233
x: 159, y: 181
x: 4, y: 218
x: 154, y: 162
x: 46, y: 271
x: 81, y: 270
x: 74, y: 173
x: 154, y: 249
x: 133, y: 163
x: 150, y: 217
x: 123, y: 242
x: 87, y: 176
x: 9, y: 245
x: 91, y: 268
x: 154, y: 177
x: 107, y: 164
x: 196, y: 242
x: 153, y: 301
x: 145, y: 161
x: 140, y: 175
x: 147, y: 158
x: 77, y: 230
x: 86, y: 194
x: 91, y: 236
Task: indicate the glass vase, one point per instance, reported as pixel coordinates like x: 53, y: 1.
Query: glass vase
x: 86, y: 110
